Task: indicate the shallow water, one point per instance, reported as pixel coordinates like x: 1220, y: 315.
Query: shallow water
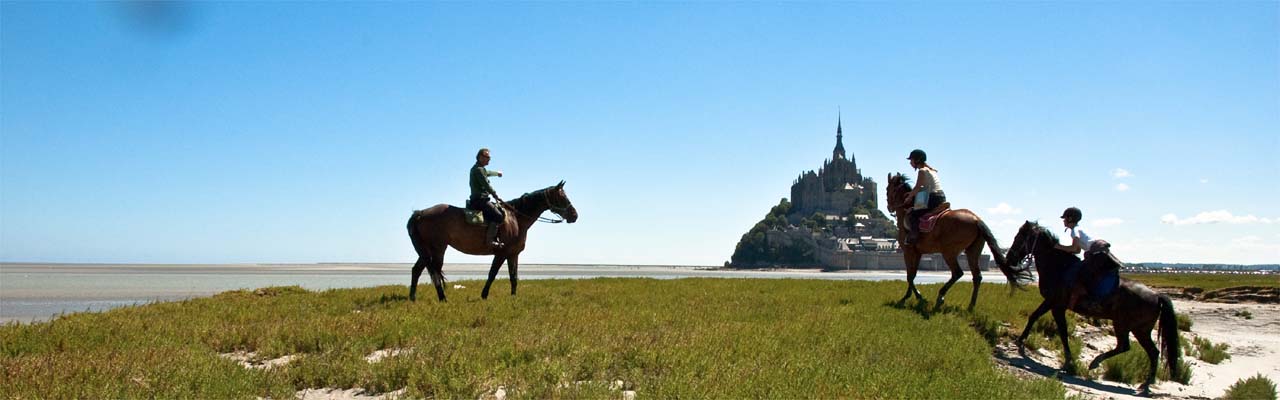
x: 34, y: 292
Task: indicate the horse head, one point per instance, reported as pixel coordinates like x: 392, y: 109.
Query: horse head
x: 1023, y: 243
x: 559, y: 203
x: 1032, y: 239
x: 896, y: 192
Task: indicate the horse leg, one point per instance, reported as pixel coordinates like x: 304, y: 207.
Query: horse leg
x: 512, y: 263
x: 1060, y: 319
x: 1031, y: 322
x: 493, y: 273
x: 417, y: 272
x: 436, y: 269
x: 913, y: 262
x: 974, y: 253
x: 910, y: 278
x: 1153, y: 357
x: 956, y: 273
x: 1122, y: 345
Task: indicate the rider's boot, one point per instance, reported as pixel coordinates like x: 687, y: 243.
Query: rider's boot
x: 491, y: 236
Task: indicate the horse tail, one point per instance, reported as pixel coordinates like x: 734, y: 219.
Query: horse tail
x: 1017, y: 276
x: 413, y: 233
x: 1168, y: 332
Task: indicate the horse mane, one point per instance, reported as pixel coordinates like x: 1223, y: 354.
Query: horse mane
x: 526, y: 201
x: 1044, y: 232
x: 906, y: 181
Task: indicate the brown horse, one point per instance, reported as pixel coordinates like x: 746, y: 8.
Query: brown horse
x: 1132, y: 308
x: 957, y: 231
x: 433, y: 230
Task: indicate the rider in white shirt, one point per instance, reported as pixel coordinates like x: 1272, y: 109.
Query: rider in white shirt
x: 1089, y: 275
x: 1079, y: 239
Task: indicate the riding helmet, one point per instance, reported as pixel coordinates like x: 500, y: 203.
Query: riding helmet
x: 1072, y: 214
x: 917, y: 154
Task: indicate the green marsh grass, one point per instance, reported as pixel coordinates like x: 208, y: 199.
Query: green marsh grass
x: 1207, y: 282
x: 1257, y: 387
x: 1208, y: 352
x: 684, y: 338
x: 1131, y: 366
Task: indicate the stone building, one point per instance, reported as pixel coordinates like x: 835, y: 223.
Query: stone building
x: 834, y: 189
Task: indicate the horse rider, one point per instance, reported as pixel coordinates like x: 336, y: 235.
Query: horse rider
x: 481, y: 190
x: 927, y: 193
x: 1090, y: 273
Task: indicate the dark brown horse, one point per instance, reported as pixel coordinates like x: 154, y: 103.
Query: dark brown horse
x: 957, y: 231
x: 1132, y: 308
x: 435, y: 229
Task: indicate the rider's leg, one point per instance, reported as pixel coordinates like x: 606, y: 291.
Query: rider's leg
x: 494, y: 219
x: 913, y: 226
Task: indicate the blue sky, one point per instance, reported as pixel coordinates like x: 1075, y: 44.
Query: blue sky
x: 307, y: 132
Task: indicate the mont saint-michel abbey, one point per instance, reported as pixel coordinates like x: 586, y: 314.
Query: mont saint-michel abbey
x: 832, y: 221
x: 836, y: 188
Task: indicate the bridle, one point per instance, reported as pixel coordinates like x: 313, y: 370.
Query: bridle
x: 1029, y: 250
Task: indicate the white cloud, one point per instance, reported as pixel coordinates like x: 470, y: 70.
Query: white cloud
x: 1204, y: 180
x: 1120, y: 187
x: 1105, y: 222
x: 1120, y: 173
x: 1004, y: 209
x: 1214, y: 217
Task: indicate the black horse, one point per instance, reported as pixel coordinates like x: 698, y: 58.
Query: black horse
x: 1132, y: 307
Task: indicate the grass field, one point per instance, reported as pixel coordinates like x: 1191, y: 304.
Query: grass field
x: 1207, y: 282
x: 686, y: 338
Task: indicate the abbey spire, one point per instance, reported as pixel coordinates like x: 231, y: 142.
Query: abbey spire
x: 838, y: 153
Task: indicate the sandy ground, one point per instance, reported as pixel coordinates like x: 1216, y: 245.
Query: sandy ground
x: 1254, y: 349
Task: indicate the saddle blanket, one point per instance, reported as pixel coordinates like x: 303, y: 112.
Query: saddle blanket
x: 929, y: 220
x: 1107, y: 283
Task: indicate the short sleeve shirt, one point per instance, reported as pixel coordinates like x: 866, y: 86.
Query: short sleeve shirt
x: 1079, y: 233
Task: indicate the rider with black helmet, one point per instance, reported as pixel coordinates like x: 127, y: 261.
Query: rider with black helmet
x: 1098, y: 272
x: 927, y: 193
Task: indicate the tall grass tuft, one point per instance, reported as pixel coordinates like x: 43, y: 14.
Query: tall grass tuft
x: 1132, y: 367
x: 1209, y: 352
x: 1184, y: 322
x: 1257, y: 387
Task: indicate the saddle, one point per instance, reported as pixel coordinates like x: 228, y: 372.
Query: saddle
x: 476, y: 217
x: 927, y: 221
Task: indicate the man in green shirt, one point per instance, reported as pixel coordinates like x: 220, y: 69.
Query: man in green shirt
x: 480, y: 192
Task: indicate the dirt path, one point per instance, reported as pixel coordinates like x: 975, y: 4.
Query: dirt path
x: 1254, y: 348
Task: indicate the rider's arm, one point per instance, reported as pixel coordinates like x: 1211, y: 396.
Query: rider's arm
x: 919, y: 184
x: 480, y: 181
x: 1074, y: 248
x: 494, y: 173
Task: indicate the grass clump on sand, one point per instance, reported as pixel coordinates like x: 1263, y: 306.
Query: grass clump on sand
x: 1208, y: 352
x: 1131, y: 367
x: 1257, y: 387
x: 684, y: 338
x: 1184, y: 322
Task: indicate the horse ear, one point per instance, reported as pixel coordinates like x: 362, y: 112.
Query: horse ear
x: 888, y: 176
x: 561, y: 184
